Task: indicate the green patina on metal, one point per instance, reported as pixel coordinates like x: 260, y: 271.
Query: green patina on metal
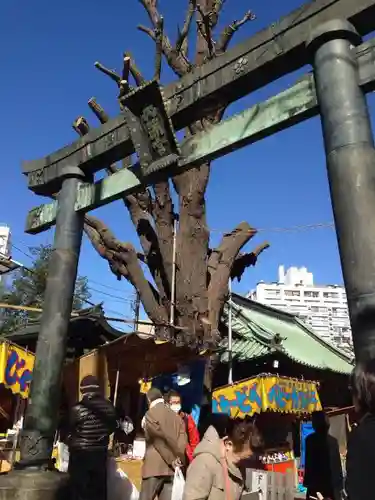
x: 262, y: 120
x: 288, y: 108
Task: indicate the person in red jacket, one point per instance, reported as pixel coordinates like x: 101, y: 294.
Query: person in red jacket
x: 174, y: 402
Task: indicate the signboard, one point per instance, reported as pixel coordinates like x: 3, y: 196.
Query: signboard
x: 16, y: 368
x: 264, y: 393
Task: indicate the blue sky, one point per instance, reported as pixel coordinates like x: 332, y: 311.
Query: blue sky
x: 47, y: 53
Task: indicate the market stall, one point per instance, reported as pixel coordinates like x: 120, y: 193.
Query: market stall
x: 126, y: 368
x: 279, y: 403
x: 16, y: 369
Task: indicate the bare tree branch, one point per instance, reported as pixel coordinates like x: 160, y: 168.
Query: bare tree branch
x: 109, y: 72
x: 81, y: 126
x: 124, y: 261
x: 246, y: 260
x: 229, y: 31
x: 215, y: 12
x: 151, y: 7
x: 176, y: 60
x: 204, y: 26
x: 98, y: 110
x: 140, y: 209
x: 159, y: 33
x: 220, y: 265
x: 182, y: 39
x: 135, y: 72
x: 126, y: 68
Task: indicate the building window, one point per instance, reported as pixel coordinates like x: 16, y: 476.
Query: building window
x: 271, y: 292
x: 292, y: 293
x: 330, y: 295
x: 311, y: 294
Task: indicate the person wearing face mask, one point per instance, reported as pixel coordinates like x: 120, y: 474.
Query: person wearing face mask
x: 215, y: 474
x: 165, y: 448
x: 174, y: 402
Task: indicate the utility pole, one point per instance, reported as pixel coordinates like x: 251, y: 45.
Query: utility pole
x: 136, y: 307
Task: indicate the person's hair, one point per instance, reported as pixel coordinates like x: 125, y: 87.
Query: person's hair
x: 89, y: 385
x: 362, y: 383
x: 172, y: 394
x: 153, y: 394
x: 244, y: 432
x: 319, y: 421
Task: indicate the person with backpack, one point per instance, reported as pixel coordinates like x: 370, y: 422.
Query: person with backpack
x: 174, y: 402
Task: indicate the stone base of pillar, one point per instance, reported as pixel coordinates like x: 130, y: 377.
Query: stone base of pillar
x: 34, y: 485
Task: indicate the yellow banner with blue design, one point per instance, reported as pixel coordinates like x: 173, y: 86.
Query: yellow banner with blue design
x: 16, y: 368
x: 266, y: 393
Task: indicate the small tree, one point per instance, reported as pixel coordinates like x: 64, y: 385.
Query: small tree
x: 28, y: 287
x: 202, y: 273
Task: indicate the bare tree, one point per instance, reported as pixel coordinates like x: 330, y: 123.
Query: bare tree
x: 202, y: 274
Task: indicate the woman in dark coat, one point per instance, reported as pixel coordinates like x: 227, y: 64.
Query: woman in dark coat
x: 360, y: 462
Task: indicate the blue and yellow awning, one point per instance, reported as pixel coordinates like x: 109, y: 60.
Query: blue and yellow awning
x: 266, y: 393
x: 16, y: 368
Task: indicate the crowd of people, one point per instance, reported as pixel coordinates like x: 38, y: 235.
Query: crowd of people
x: 212, y: 466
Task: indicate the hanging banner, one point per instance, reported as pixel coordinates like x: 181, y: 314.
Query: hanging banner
x: 16, y: 368
x: 264, y: 393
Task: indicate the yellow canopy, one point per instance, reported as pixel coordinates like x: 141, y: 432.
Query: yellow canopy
x: 16, y: 368
x: 266, y: 392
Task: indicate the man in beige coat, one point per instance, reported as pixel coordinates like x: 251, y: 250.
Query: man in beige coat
x: 166, y: 442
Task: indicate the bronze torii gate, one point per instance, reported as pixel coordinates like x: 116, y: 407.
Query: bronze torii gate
x: 342, y: 73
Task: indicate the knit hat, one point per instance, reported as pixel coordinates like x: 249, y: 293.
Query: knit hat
x: 89, y: 384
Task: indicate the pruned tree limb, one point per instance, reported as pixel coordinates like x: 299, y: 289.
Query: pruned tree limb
x: 216, y: 8
x: 151, y: 7
x: 182, y: 39
x: 205, y: 28
x: 81, y: 126
x: 123, y: 260
x: 159, y: 33
x: 134, y: 70
x: 220, y: 265
x: 98, y: 110
x: 140, y: 209
x: 109, y: 72
x: 228, y: 32
x: 243, y: 261
x: 179, y: 64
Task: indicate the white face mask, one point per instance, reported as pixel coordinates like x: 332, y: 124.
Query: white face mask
x: 176, y: 408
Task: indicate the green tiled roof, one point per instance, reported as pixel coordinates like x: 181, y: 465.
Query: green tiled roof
x: 259, y: 330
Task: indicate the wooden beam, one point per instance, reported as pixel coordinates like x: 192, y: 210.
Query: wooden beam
x: 268, y: 55
x: 262, y: 120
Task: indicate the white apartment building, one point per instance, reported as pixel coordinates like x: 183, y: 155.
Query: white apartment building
x: 323, y: 307
x: 5, y: 247
x: 5, y: 240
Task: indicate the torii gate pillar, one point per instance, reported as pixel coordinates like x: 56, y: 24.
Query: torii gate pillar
x: 350, y: 153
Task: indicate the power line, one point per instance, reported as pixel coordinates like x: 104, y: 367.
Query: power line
x: 110, y: 295
x: 107, y: 286
x: 301, y: 228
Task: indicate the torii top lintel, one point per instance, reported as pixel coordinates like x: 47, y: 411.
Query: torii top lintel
x: 266, y: 56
